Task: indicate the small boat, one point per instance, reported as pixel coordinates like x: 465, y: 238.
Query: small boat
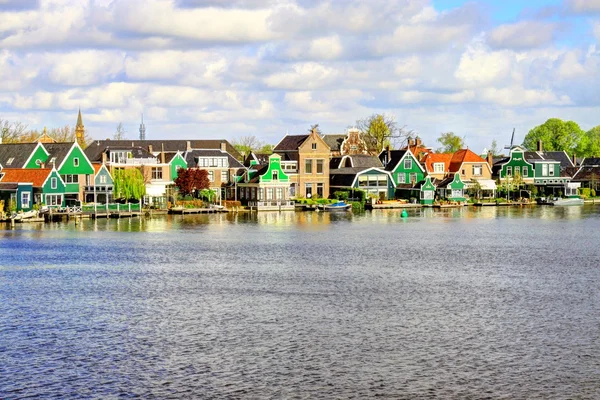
x: 557, y: 201
x: 339, y: 206
x: 25, y: 215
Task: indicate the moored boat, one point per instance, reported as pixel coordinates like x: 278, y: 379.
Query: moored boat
x: 339, y: 206
x: 557, y: 201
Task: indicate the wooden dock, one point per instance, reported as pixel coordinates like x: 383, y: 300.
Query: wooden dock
x: 391, y: 205
x: 184, y: 211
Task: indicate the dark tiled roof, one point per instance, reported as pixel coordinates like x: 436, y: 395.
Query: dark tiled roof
x: 395, y: 157
x: 96, y: 148
x: 290, y: 142
x: 260, y: 158
x: 587, y: 173
x: 19, y: 151
x: 590, y: 161
x: 360, y: 161
x: 289, y: 156
x: 191, y: 157
x: 560, y: 156
x: 334, y: 141
x: 58, y: 151
x: 343, y: 177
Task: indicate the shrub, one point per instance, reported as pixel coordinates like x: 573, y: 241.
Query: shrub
x: 341, y: 195
x: 592, y: 193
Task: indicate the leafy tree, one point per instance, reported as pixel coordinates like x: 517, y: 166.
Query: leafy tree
x: 494, y: 148
x: 190, y: 180
x: 266, y: 149
x: 556, y: 135
x: 450, y: 142
x: 381, y: 130
x: 128, y: 183
x: 120, y: 133
x: 589, y: 146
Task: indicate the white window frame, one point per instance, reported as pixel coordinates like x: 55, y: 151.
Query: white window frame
x: 401, y: 177
x: 550, y: 169
x: 224, y: 177
x: 53, y: 183
x: 508, y: 171
x: 211, y: 176
x: 525, y: 171
x: 76, y: 162
x: 24, y: 195
x: 411, y: 176
x: 544, y: 169
x: 409, y: 161
x: 477, y: 170
x: 438, y: 168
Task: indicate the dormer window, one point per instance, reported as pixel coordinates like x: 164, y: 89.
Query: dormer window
x: 10, y: 161
x: 38, y: 162
x: 76, y: 162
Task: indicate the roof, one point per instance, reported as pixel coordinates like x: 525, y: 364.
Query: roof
x: 36, y: 176
x: 395, y: 157
x: 19, y: 152
x: 360, y: 161
x: 591, y: 161
x: 434, y: 158
x: 58, y: 151
x: 97, y: 167
x: 96, y: 148
x: 463, y: 156
x: 191, y: 157
x: 260, y: 158
x: 334, y: 141
x: 560, y: 156
x: 343, y: 177
x: 290, y: 142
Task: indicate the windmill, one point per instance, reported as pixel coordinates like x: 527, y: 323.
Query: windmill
x: 512, y: 138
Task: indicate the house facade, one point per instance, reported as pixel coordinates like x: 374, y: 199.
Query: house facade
x: 305, y: 159
x: 266, y: 187
x: 361, y: 172
x: 28, y: 187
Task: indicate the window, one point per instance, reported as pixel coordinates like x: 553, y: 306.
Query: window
x: 438, y: 167
x: 70, y: 178
x: 320, y: 189
x: 308, y: 188
x: 508, y: 171
x: 76, y: 162
x: 25, y: 196
x: 269, y: 193
x: 211, y: 176
x: 427, y: 194
x: 525, y: 171
x: 314, y: 146
x: 279, y: 194
x: 53, y: 183
x: 517, y: 170
x: 544, y: 169
x: 275, y: 175
x: 54, y: 199
x: 102, y: 179
x: 157, y: 173
x: 224, y: 177
x: 401, y: 178
x: 10, y: 161
x: 408, y: 163
x: 308, y: 166
x: 477, y: 170
x: 551, y: 169
x: 319, y: 166
x: 457, y: 193
x: 413, y: 178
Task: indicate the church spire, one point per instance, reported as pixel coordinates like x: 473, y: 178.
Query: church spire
x: 79, y: 129
x: 142, y: 129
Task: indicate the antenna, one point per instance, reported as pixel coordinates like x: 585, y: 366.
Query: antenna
x: 512, y: 139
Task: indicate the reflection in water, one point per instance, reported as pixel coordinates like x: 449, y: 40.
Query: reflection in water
x: 494, y: 302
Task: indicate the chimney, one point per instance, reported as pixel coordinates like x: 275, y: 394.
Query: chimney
x: 223, y: 146
x: 150, y: 148
x: 42, y: 165
x: 188, y: 146
x: 418, y: 142
x: 411, y: 141
x: 574, y: 159
x: 490, y: 159
x: 162, y: 153
x: 104, y: 158
x: 539, y: 145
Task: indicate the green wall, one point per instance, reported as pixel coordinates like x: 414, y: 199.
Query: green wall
x: 176, y: 163
x: 39, y: 155
x: 415, y: 168
x: 274, y: 165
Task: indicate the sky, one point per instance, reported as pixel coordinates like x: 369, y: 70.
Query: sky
x: 232, y: 68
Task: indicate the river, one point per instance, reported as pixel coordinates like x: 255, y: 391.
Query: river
x: 459, y: 303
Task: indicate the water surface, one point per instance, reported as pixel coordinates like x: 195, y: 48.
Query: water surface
x: 459, y: 303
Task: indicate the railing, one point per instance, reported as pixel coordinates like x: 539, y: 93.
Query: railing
x: 271, y: 203
x: 137, y: 161
x: 111, y: 207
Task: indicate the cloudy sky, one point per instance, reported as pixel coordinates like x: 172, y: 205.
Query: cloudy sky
x: 228, y: 68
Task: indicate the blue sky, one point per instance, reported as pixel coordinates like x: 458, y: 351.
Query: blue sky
x: 231, y: 68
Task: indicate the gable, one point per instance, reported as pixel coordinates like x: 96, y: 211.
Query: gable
x: 316, y: 139
x: 76, y: 162
x: 37, y: 157
x: 60, y: 184
x: 177, y: 162
x: 103, y: 172
x: 274, y: 168
x: 415, y: 167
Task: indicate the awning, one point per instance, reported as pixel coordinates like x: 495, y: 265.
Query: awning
x: 486, y: 184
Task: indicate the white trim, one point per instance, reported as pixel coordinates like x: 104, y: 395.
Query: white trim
x: 75, y: 144
x: 33, y: 152
x: 414, y: 159
x: 50, y: 174
x: 389, y: 174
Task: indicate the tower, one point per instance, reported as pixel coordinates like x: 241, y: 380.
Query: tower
x: 142, y: 129
x: 79, y: 129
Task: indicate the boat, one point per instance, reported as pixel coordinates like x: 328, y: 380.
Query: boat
x: 24, y: 215
x: 558, y: 201
x: 339, y: 206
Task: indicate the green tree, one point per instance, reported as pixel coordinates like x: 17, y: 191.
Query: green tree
x: 589, y: 146
x: 450, y: 142
x: 381, y: 130
x: 129, y: 183
x: 556, y: 135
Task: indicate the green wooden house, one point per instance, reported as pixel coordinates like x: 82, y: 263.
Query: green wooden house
x: 266, y: 187
x: 427, y: 191
x: 452, y: 189
x: 29, y: 187
x: 176, y: 162
x: 406, y: 172
x: 99, y: 187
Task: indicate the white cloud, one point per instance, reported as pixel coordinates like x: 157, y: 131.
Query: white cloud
x: 584, y: 6
x: 523, y: 35
x: 86, y: 67
x: 303, y: 76
x: 478, y: 66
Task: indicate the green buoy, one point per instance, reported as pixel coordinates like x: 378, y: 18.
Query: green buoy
x: 404, y: 214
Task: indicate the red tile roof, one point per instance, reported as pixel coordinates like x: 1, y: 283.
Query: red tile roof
x: 35, y: 176
x: 432, y: 158
x: 463, y: 156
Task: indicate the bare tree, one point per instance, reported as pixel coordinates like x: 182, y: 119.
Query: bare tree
x: 381, y: 130
x: 120, y: 133
x: 247, y: 144
x: 11, y: 132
